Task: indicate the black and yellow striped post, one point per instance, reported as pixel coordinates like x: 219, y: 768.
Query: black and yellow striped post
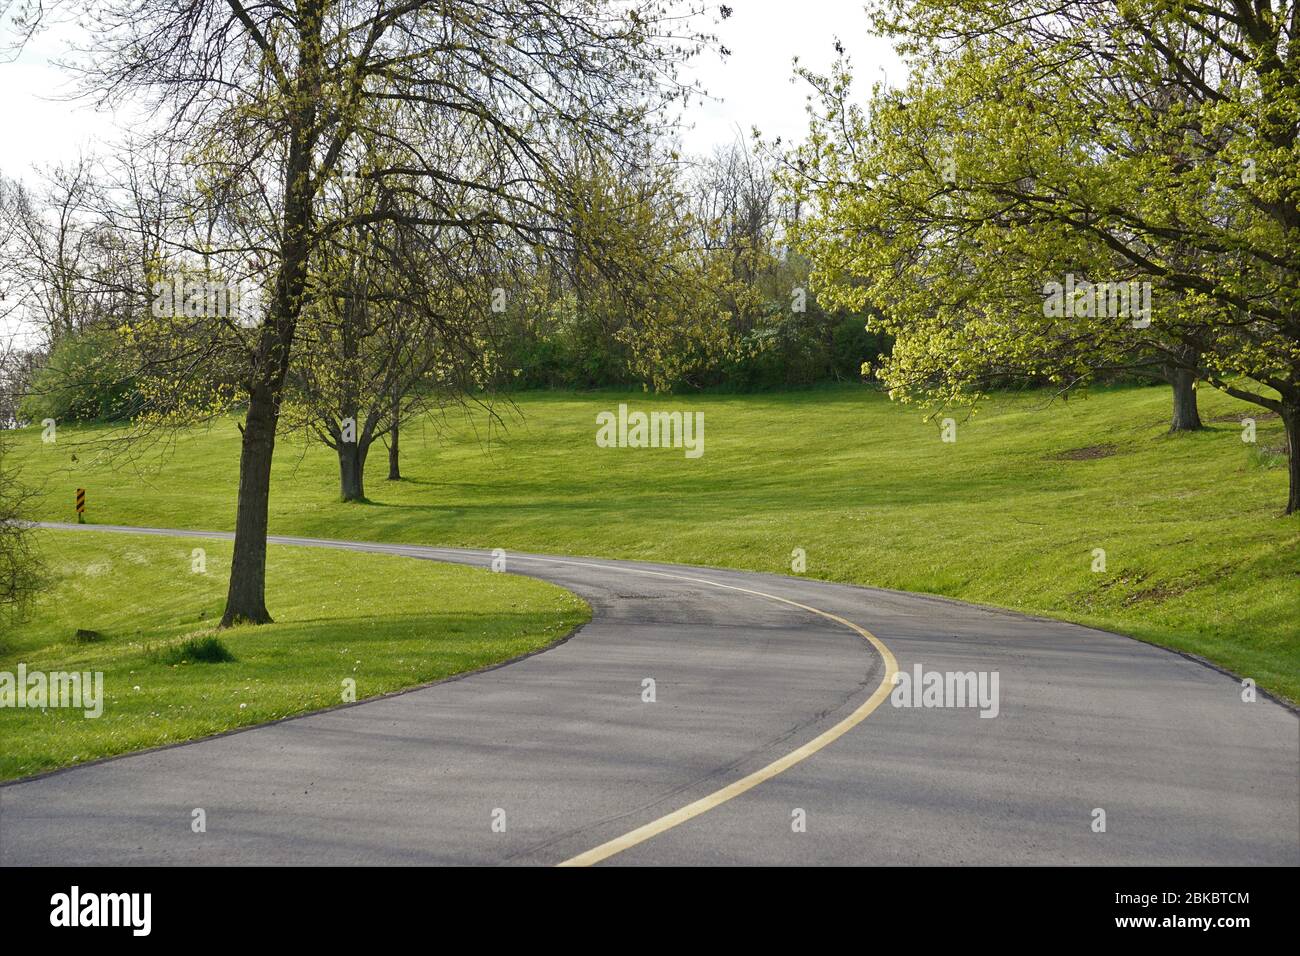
x: 81, y: 506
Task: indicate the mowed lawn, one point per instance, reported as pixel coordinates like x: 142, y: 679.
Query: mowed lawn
x: 385, y: 623
x: 1197, y: 555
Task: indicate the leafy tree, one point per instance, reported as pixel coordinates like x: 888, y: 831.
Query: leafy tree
x: 85, y: 378
x: 1136, y: 141
x: 637, y: 272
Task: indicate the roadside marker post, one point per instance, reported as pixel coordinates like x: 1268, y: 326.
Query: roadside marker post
x: 81, y: 506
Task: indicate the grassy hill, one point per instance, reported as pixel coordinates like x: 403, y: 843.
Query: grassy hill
x: 1197, y: 557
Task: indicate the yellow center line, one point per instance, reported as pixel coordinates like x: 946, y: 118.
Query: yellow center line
x: 781, y: 764
x: 718, y: 797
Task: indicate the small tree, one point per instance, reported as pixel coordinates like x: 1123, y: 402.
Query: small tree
x: 394, y: 328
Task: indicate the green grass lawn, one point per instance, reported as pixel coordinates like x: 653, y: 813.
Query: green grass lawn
x: 384, y: 622
x: 1197, y: 557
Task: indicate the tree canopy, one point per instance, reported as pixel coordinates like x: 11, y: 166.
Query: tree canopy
x: 1141, y: 145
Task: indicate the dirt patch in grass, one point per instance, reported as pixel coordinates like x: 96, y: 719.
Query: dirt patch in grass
x: 1086, y: 453
x: 1161, y: 592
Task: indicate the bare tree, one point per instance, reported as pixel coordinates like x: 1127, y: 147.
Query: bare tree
x: 279, y: 102
x: 58, y: 248
x: 20, y: 20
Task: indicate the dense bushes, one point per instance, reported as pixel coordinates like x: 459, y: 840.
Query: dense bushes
x: 795, y: 350
x: 783, y: 349
x: 83, y: 379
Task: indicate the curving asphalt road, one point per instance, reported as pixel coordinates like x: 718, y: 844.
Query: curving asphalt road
x: 771, y: 699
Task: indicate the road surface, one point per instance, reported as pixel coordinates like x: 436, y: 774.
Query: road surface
x: 773, y: 738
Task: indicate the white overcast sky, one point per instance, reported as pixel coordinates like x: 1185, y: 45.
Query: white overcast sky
x: 753, y: 85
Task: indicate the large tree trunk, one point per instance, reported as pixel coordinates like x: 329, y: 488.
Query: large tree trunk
x: 394, y: 469
x: 246, y: 597
x: 1291, y: 422
x: 352, y: 471
x: 1186, y: 416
